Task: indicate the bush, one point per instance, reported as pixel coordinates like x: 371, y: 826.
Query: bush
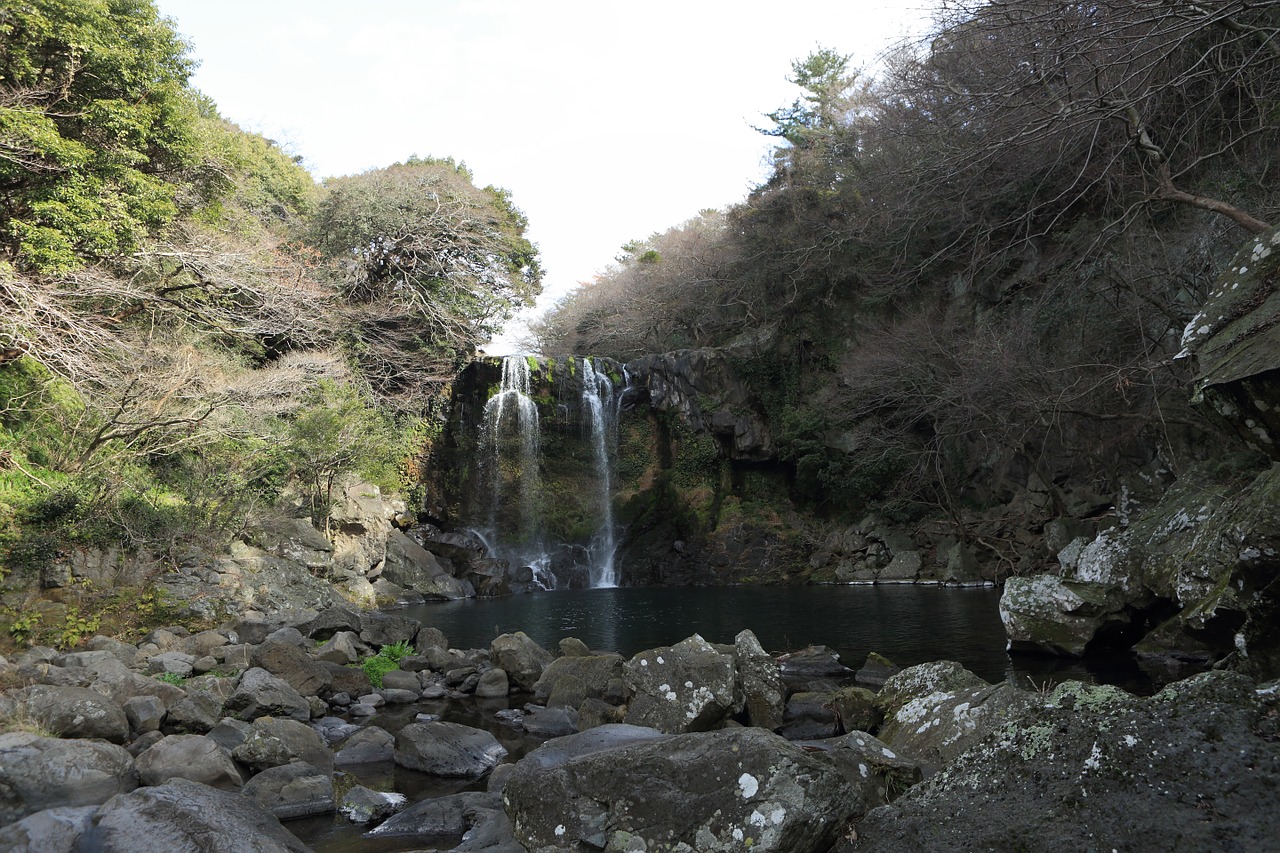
x: 386, y: 660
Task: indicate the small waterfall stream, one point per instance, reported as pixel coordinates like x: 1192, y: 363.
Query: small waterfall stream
x: 510, y: 514
x: 597, y: 401
x: 510, y: 448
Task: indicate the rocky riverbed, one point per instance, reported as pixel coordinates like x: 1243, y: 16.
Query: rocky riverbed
x: 218, y: 740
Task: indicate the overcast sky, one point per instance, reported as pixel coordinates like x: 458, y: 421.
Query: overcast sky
x: 607, y: 121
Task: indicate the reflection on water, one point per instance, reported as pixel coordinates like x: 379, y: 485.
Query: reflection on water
x: 906, y: 623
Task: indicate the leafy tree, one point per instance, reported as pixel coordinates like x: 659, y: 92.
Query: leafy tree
x: 94, y: 112
x: 430, y: 266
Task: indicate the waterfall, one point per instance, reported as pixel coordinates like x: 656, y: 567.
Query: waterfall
x: 509, y: 505
x: 597, y: 402
x: 510, y: 457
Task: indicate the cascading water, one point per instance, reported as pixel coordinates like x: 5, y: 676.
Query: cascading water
x: 528, y: 522
x: 510, y: 459
x: 597, y: 402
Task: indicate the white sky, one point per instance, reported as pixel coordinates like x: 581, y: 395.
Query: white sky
x: 607, y: 121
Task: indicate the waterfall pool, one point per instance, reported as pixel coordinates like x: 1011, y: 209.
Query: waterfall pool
x: 908, y: 624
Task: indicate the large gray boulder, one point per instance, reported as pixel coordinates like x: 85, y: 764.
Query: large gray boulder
x: 729, y: 790
x: 368, y: 745
x: 294, y: 666
x: 468, y: 814
x: 38, y: 773
x: 272, y: 742
x: 688, y: 687
x: 193, y: 757
x: 875, y: 774
x: 185, y: 815
x: 568, y: 681
x: 71, y: 712
x: 447, y: 749
x: 259, y: 694
x: 292, y: 790
x: 57, y: 830
x: 1194, y: 767
x: 936, y: 727
x: 521, y: 658
x: 1044, y: 613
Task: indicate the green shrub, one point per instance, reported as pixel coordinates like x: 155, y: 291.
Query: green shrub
x: 386, y: 660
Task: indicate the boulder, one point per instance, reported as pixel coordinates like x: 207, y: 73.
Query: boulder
x: 876, y: 775
x: 144, y: 713
x: 343, y: 647
x: 193, y: 757
x: 810, y: 716
x: 477, y: 817
x: 185, y: 815
x: 38, y: 773
x: 272, y: 742
x: 350, y: 680
x: 1095, y: 768
x: 197, y: 712
x: 917, y: 682
x: 367, y: 745
x: 383, y: 629
x: 813, y: 662
x: 521, y: 658
x: 72, y: 712
x: 57, y: 830
x: 447, y: 749
x: 332, y: 621
x: 567, y: 681
x: 876, y: 670
x: 1044, y: 613
x: 292, y: 790
x: 687, y: 687
x: 936, y: 727
x: 728, y: 790
x: 760, y: 681
x: 493, y: 684
x: 259, y: 694
x: 287, y: 661
x: 363, y: 805
x: 550, y: 722
x: 856, y: 709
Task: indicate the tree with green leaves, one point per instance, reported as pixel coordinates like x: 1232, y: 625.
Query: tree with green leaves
x: 94, y: 113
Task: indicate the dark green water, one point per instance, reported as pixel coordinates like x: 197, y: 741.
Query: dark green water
x: 906, y: 623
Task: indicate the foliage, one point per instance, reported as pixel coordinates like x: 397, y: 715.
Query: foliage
x: 386, y: 660
x: 94, y: 109
x: 430, y: 266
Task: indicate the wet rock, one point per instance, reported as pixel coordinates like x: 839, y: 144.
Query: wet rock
x: 363, y: 805
x: 398, y: 679
x: 550, y: 722
x: 521, y: 658
x: 350, y: 680
x: 813, y: 662
x: 185, y: 815
x: 682, y: 688
x: 38, y: 773
x: 384, y: 629
x: 937, y: 727
x: 229, y: 733
x: 477, y: 816
x: 447, y: 749
x: 1096, y: 768
x: 761, y: 682
x: 332, y: 621
x: 292, y: 790
x: 344, y: 647
x: 717, y: 791
x: 193, y: 757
